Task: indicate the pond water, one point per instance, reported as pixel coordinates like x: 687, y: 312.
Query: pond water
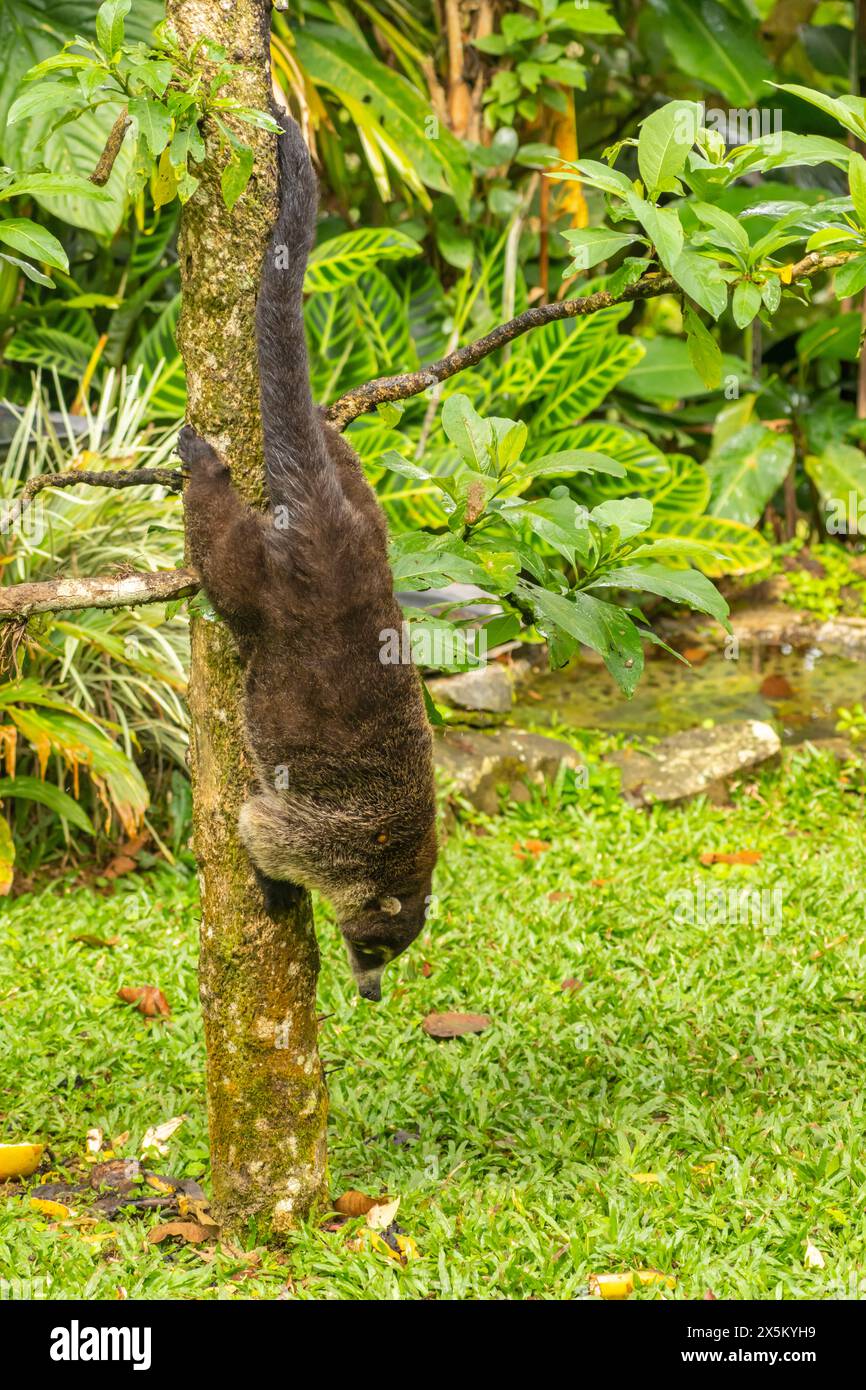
x: 798, y: 691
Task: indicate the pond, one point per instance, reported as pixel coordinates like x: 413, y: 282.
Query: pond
x: 796, y: 690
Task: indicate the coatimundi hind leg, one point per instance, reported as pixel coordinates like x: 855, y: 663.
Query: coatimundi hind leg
x: 226, y: 537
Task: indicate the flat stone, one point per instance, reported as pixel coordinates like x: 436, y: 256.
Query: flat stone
x: 478, y: 763
x: 694, y: 761
x: 488, y: 689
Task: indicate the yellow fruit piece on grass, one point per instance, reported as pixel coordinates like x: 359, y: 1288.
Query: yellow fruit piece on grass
x: 19, y: 1160
x: 618, y: 1286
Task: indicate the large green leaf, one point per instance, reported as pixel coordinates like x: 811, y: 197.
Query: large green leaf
x: 722, y: 547
x: 720, y: 50
x: 340, y: 260
x: 839, y: 474
x: 32, y: 789
x: 665, y: 372
x: 666, y: 136
x: 334, y: 59
x: 747, y: 470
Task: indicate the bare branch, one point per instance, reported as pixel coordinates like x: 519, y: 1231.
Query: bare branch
x: 399, y: 388
x: 105, y: 164
x: 102, y: 591
x: 111, y: 477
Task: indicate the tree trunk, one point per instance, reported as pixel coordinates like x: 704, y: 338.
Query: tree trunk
x: 267, y: 1101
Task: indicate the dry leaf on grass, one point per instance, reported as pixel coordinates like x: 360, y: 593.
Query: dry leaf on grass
x: 149, y: 1000
x: 572, y: 984
x: 157, y: 1136
x: 88, y: 939
x: 619, y: 1286
x: 453, y: 1025
x: 813, y: 1259
x: 189, y: 1231
x: 530, y: 848
x: 381, y: 1215
x: 58, y: 1211
x: 354, y: 1203
x: 737, y: 856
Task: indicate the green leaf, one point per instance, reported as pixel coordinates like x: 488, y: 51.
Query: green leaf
x: 850, y: 278
x: 560, y: 522
x: 109, y: 25
x: 44, y: 96
x: 733, y: 234
x: 566, y: 462
x: 662, y: 226
x: 746, y: 472
x: 719, y: 49
x: 681, y: 586
x: 29, y: 270
x: 839, y: 474
x: 24, y: 235
x: 630, y: 515
x: 702, y: 281
x: 471, y: 435
x: 704, y: 351
x: 666, y: 137
x: 236, y: 174
x: 603, y: 627
x: 40, y: 185
x: 154, y: 123
x: 666, y: 372
x: 590, y: 245
x: 745, y: 302
x: 857, y: 184
x: 718, y: 546
x: 52, y: 348
x: 33, y: 789
x: 831, y: 106
x: 398, y: 116
x: 341, y: 259
x: 600, y: 176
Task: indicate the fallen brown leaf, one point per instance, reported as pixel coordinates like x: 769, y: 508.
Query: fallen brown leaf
x: 354, y: 1203
x: 88, y: 939
x: 454, y: 1025
x: 559, y: 897
x: 530, y: 847
x: 737, y: 856
x: 189, y: 1231
x: 572, y: 984
x: 776, y: 687
x: 150, y: 1001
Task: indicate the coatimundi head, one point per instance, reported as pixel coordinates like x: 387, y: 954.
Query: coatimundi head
x: 388, y: 920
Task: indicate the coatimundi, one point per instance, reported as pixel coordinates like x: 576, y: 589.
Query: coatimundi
x: 339, y: 741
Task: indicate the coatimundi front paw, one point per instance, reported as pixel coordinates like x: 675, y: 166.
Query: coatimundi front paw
x: 198, y: 456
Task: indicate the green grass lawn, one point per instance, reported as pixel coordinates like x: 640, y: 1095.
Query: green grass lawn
x: 726, y: 1060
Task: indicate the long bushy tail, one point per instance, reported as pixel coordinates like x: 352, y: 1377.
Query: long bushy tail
x: 295, y: 452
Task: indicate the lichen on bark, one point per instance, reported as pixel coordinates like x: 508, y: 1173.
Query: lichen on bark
x: 267, y: 1101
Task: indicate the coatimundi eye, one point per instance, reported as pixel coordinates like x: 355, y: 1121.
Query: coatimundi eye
x: 390, y: 905
x: 382, y: 838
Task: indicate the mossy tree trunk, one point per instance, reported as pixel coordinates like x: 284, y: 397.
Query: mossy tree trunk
x: 267, y: 1102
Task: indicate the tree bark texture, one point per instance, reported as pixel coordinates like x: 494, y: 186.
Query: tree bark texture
x: 267, y: 1100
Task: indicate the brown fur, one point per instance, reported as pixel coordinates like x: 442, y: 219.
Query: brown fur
x: 339, y: 741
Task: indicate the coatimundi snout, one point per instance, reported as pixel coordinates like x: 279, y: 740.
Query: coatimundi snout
x: 339, y: 740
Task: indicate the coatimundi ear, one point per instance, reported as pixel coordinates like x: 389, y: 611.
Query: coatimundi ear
x: 390, y: 905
